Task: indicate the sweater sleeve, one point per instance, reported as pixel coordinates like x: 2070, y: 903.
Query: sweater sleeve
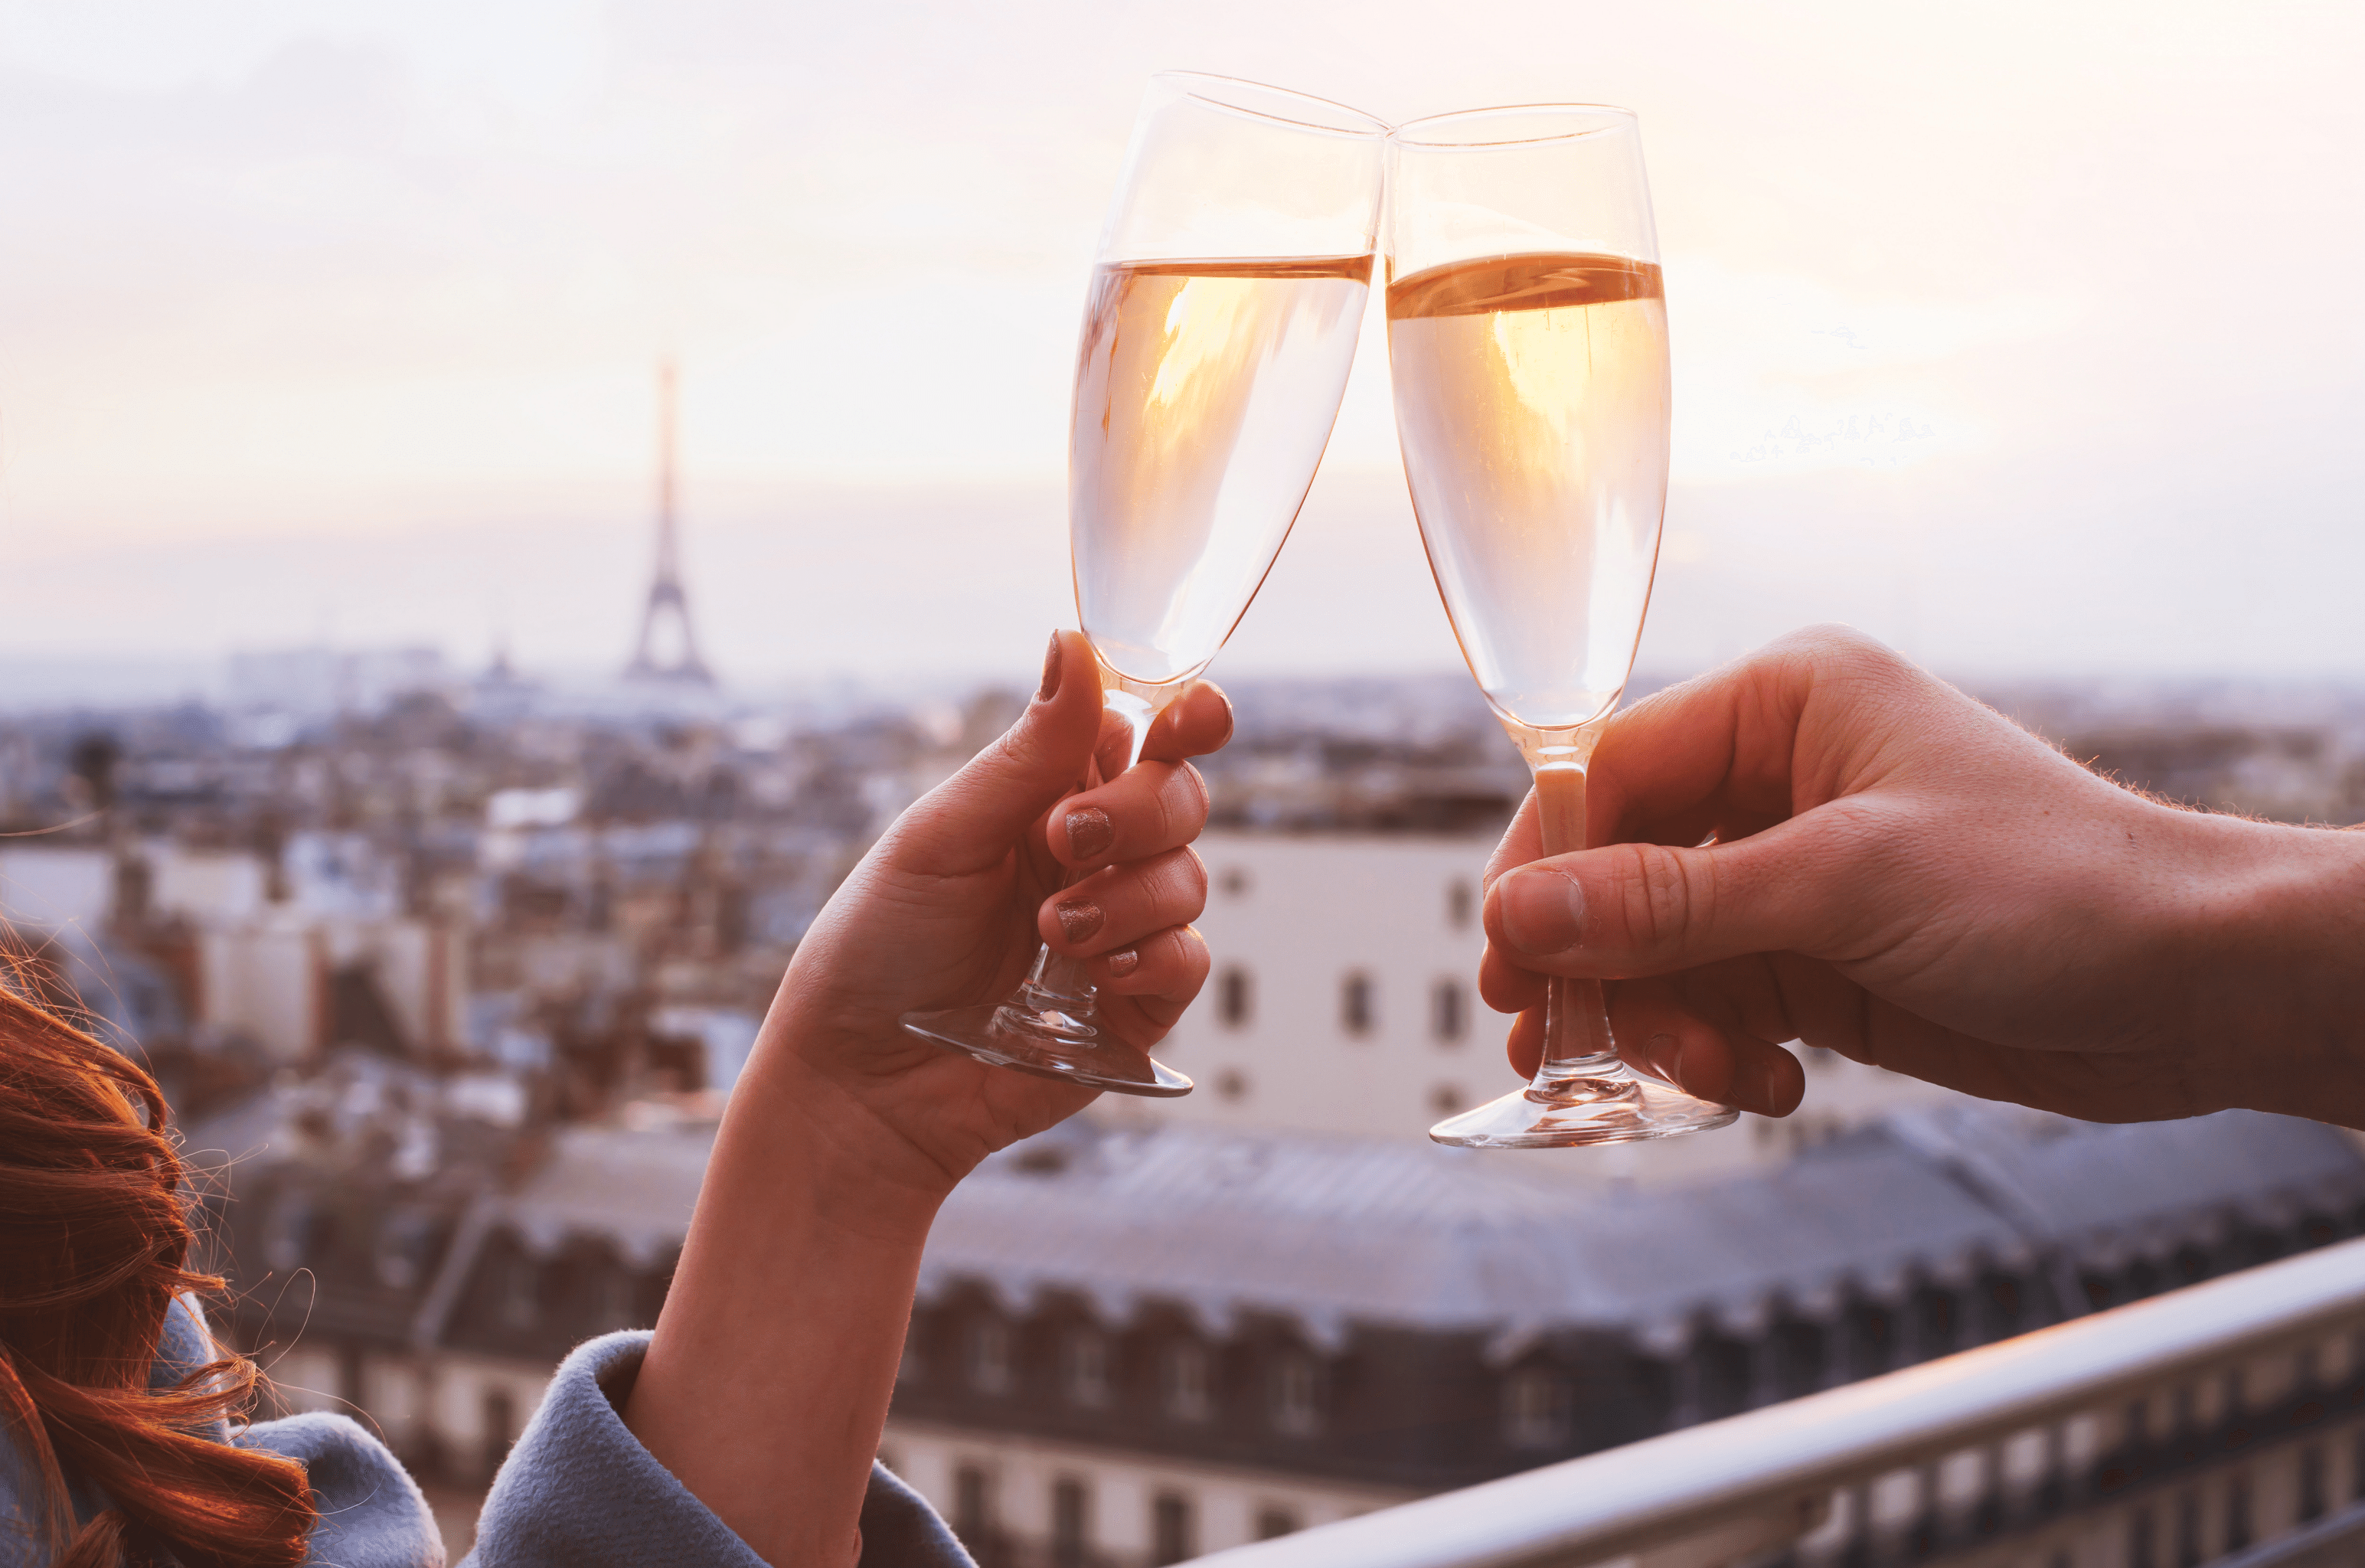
x: 372, y: 1515
x: 580, y: 1490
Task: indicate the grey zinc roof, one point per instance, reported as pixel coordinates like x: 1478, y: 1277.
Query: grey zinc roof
x: 1330, y: 1231
x: 634, y: 1189
x: 2110, y: 1193
x: 1333, y: 1232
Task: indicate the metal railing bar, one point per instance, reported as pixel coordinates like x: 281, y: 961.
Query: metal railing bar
x: 1780, y: 1461
x: 2336, y: 1541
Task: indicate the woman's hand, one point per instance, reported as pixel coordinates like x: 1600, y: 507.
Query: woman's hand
x: 946, y: 910
x: 1905, y: 876
x: 765, y: 1385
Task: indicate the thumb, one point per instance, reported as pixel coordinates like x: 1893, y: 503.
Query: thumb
x: 1646, y: 909
x: 969, y: 823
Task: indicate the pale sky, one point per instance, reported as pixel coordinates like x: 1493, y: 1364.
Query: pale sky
x: 2026, y: 336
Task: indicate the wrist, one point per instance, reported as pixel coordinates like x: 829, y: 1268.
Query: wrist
x: 2288, y: 1004
x: 825, y: 1132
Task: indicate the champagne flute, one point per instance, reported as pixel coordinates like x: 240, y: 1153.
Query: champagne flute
x: 1220, y: 326
x: 1527, y: 345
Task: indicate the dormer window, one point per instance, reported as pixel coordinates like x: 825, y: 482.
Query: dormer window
x: 1294, y: 1410
x: 1536, y: 1408
x: 1084, y: 1368
x: 1185, y: 1391
x: 989, y: 1356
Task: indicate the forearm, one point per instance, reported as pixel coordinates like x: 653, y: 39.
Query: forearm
x: 766, y: 1382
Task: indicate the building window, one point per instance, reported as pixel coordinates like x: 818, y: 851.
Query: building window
x: 2237, y: 1511
x: 1273, y: 1521
x: 1084, y: 1368
x: 520, y: 1292
x: 1459, y: 902
x: 1071, y: 1523
x: 1295, y: 1413
x: 1444, y: 1100
x: 1234, y: 881
x: 2310, y: 1483
x: 989, y: 1356
x: 1169, y: 1528
x: 1449, y: 1013
x: 1234, y: 997
x: 973, y: 1509
x: 1536, y: 1408
x: 1185, y: 1393
x: 400, y: 1248
x: 2141, y: 1552
x: 1355, y: 1008
x: 2187, y: 1530
x: 1232, y: 1084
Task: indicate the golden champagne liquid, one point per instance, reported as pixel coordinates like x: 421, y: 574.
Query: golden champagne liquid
x: 1531, y: 402
x: 1204, y: 394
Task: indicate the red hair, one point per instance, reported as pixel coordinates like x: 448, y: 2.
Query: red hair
x: 94, y: 1240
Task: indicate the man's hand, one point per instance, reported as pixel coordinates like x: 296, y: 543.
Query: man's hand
x: 1823, y: 843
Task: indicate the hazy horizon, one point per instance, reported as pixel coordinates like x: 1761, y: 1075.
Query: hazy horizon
x: 340, y: 322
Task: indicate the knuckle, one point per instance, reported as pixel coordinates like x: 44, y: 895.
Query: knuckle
x: 1662, y: 897
x: 1194, y: 880
x: 1197, y: 803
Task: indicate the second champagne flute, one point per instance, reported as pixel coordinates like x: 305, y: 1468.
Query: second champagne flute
x: 1218, y: 337
x: 1527, y: 343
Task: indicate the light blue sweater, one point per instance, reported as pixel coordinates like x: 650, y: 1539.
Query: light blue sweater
x: 577, y: 1489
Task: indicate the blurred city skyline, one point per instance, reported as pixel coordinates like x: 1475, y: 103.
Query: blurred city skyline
x: 2029, y: 346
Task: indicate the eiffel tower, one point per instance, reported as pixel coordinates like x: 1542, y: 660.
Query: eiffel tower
x: 667, y: 599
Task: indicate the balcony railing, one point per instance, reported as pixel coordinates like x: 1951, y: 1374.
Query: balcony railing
x: 2037, y: 1448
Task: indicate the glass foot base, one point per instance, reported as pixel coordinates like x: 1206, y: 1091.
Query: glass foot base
x: 1615, y: 1105
x: 1048, y: 1044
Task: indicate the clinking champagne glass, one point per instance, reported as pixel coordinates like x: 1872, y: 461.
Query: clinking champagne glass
x: 1220, y: 326
x: 1527, y: 345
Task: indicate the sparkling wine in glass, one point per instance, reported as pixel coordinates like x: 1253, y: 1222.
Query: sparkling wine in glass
x: 1219, y: 331
x: 1528, y: 345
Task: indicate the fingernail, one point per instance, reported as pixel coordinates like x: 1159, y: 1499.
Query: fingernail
x: 1088, y: 832
x: 1051, y: 672
x: 1543, y: 912
x: 1079, y: 918
x: 1123, y: 962
x: 1769, y: 1090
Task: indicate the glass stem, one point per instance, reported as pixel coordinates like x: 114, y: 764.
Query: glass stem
x: 1576, y: 1021
x: 1577, y: 1043
x: 1057, y: 982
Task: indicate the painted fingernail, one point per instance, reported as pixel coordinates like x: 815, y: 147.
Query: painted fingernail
x: 1769, y: 1091
x: 1543, y: 912
x: 1088, y: 832
x: 1123, y: 962
x: 1079, y: 918
x: 1051, y: 672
